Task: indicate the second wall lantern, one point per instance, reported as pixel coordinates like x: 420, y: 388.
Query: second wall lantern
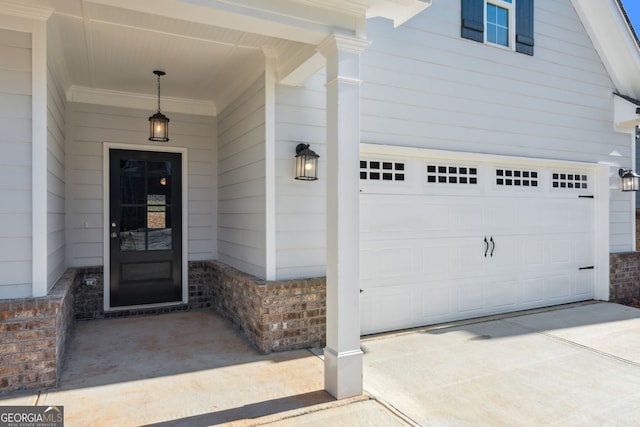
x: 628, y: 180
x: 306, y: 163
x: 159, y: 123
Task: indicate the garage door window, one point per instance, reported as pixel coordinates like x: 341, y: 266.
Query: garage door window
x: 569, y: 180
x: 377, y: 170
x: 516, y: 178
x: 448, y: 174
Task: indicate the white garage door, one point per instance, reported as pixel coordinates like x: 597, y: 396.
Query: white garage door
x: 445, y: 240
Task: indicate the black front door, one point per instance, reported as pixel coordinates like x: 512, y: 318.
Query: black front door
x: 145, y: 227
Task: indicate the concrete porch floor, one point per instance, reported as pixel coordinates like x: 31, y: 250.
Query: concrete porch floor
x: 575, y: 365
x: 188, y: 369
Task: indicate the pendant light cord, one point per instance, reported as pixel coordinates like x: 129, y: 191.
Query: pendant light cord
x: 158, y: 93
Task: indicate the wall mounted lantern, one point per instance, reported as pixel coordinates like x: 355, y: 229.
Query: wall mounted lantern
x: 629, y: 180
x: 159, y: 130
x: 306, y: 163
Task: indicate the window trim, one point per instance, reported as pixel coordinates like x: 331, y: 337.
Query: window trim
x: 511, y: 16
x: 473, y: 22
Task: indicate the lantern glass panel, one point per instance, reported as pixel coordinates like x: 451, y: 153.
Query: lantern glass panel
x: 159, y: 127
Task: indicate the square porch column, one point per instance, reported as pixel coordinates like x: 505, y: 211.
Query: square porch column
x: 342, y: 355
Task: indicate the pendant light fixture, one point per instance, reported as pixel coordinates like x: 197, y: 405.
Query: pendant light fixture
x: 159, y: 130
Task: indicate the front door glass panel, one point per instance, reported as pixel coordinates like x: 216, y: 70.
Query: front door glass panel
x: 145, y: 209
x: 146, y: 218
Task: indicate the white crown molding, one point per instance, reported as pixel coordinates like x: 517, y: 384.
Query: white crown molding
x: 140, y: 101
x: 25, y: 11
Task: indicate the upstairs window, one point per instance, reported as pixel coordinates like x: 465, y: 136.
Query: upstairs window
x: 507, y: 23
x: 498, y: 19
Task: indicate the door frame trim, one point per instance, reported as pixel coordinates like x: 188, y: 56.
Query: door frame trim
x: 106, y: 201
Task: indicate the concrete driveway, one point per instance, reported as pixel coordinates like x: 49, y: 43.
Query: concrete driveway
x: 577, y: 365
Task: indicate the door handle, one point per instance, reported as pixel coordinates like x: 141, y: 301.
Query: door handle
x: 493, y: 245
x: 486, y: 246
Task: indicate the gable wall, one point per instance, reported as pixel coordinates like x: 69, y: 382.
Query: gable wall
x: 15, y: 164
x: 425, y: 86
x: 88, y: 127
x: 241, y: 182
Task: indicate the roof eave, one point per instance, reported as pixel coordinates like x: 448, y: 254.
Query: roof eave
x: 614, y: 40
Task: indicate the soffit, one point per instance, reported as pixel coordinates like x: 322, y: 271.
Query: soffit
x: 114, y: 49
x: 210, y: 49
x: 614, y: 40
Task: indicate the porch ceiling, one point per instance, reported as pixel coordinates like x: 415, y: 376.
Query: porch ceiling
x: 104, y: 51
x: 108, y: 53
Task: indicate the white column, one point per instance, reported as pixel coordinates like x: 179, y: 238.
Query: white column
x: 39, y: 158
x: 270, y: 163
x: 342, y: 355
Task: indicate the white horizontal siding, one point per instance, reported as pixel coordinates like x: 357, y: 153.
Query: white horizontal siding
x: 55, y: 182
x: 241, y: 182
x: 15, y: 165
x: 300, y: 205
x: 88, y: 127
x: 622, y: 213
x: 424, y: 86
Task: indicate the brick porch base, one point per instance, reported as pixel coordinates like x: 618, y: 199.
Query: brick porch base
x: 624, y: 280
x: 33, y: 337
x: 274, y: 316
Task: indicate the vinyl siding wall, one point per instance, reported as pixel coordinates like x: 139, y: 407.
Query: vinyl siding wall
x: 425, y: 86
x: 55, y: 182
x: 88, y: 127
x: 300, y: 205
x: 241, y: 182
x: 15, y: 164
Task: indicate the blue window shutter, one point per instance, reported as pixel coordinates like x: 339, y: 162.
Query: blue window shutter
x: 524, y: 26
x: 473, y: 20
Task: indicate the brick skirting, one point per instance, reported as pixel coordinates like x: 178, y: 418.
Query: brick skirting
x: 33, y: 337
x: 624, y: 280
x: 89, y: 299
x: 273, y: 315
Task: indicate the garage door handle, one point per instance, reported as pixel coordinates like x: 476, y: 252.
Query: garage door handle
x: 493, y: 246
x: 486, y: 247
